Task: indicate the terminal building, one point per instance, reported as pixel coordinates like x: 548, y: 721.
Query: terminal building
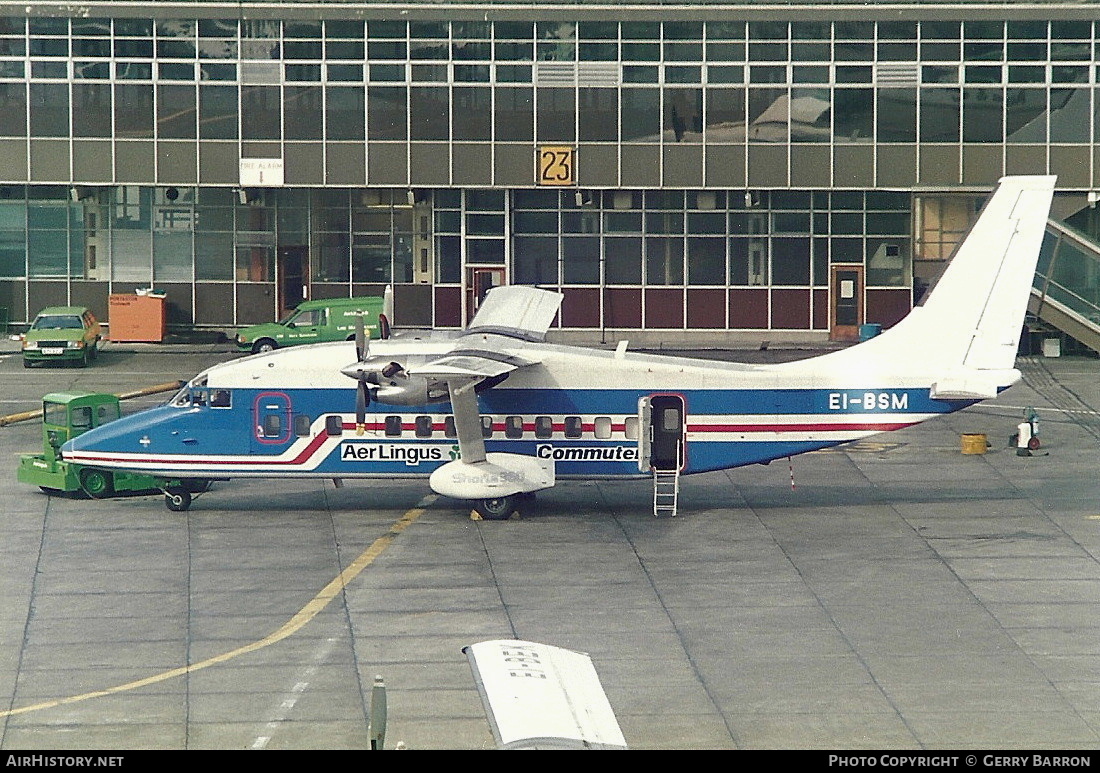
x: 704, y: 172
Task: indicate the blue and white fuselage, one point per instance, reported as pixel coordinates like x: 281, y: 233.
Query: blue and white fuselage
x: 733, y: 415
x: 495, y: 411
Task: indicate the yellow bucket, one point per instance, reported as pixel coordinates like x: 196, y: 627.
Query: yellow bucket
x: 974, y: 443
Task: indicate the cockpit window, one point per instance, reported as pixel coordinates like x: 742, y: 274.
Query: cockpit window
x: 196, y: 393
x: 181, y: 398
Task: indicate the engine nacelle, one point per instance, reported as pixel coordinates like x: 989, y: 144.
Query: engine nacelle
x: 389, y: 382
x: 411, y: 390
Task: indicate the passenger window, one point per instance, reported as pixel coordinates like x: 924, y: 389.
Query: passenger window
x: 486, y: 426
x: 574, y: 427
x: 544, y: 427
x: 301, y: 424
x: 82, y: 418
x: 630, y: 427
x: 603, y: 427
x: 220, y: 398
x: 423, y: 426
x: 273, y: 425
x: 513, y: 426
x: 334, y: 426
x: 393, y: 426
x: 449, y: 429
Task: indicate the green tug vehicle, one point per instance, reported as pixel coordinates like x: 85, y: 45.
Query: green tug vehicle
x: 66, y: 415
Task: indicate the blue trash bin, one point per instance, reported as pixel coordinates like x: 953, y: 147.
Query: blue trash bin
x: 869, y: 330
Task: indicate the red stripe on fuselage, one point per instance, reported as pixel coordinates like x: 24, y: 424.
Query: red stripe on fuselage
x: 845, y: 427
x: 317, y: 441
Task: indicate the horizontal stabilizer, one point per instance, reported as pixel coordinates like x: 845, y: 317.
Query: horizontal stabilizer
x: 500, y: 475
x: 973, y: 385
x: 538, y: 696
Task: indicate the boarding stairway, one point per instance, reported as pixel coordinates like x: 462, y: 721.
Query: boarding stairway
x: 666, y: 490
x: 1066, y: 290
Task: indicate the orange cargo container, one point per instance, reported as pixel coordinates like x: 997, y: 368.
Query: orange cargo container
x: 137, y: 318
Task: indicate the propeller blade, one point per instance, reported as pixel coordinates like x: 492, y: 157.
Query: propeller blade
x: 360, y: 338
x: 362, y: 400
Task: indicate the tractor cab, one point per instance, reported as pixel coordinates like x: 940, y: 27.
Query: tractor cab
x: 66, y: 415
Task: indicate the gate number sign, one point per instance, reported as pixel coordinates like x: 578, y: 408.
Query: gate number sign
x: 556, y: 165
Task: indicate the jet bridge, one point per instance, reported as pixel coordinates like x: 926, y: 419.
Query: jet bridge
x: 1066, y: 289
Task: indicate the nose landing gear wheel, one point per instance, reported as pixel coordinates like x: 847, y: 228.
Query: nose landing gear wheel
x: 177, y: 498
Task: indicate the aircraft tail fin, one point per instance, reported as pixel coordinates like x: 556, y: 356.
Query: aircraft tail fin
x: 983, y: 292
x: 967, y: 330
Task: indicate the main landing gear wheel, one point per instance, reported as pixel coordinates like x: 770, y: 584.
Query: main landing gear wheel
x: 97, y: 483
x: 177, y: 498
x: 497, y: 508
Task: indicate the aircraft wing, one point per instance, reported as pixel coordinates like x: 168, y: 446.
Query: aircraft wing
x: 516, y: 311
x: 464, y: 370
x: 481, y: 356
x: 471, y: 363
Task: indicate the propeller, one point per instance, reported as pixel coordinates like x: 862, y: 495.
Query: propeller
x: 362, y: 400
x: 362, y: 392
x: 361, y: 340
x: 380, y: 379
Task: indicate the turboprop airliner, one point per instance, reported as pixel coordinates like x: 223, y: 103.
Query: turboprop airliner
x: 494, y: 413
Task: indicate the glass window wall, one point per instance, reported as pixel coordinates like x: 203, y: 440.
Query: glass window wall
x: 765, y: 82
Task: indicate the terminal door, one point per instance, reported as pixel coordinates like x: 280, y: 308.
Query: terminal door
x: 846, y: 297
x: 479, y: 281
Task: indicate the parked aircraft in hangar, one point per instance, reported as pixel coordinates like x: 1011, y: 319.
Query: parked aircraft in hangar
x: 494, y: 413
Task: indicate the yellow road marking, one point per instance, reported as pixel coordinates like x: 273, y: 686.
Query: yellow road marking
x: 292, y: 626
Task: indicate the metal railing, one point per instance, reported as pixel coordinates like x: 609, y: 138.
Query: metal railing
x: 1066, y: 289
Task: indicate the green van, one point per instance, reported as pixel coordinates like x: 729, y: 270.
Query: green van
x: 331, y: 319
